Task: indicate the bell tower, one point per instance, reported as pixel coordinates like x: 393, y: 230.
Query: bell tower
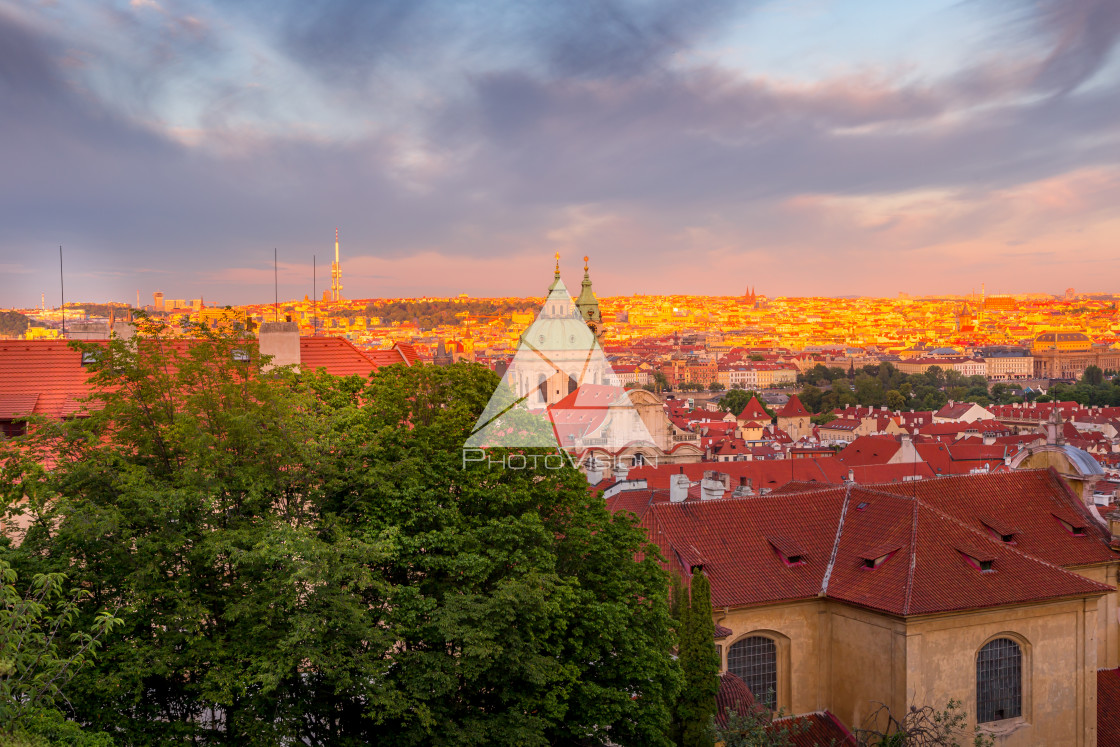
x: 588, y: 305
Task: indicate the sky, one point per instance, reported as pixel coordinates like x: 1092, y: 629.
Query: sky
x: 800, y: 147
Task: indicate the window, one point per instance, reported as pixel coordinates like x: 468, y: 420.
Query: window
x: 754, y: 660
x: 999, y: 681
x: 13, y: 428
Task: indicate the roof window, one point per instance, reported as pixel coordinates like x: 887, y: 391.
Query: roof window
x: 877, y: 556
x: 1074, y: 527
x: 89, y: 357
x: 790, y: 551
x: 978, y: 560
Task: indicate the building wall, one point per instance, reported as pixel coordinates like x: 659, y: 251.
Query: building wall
x: 1059, y: 646
x: 847, y: 659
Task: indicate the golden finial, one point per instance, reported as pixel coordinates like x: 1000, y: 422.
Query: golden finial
x: 557, y: 263
x: 585, y: 264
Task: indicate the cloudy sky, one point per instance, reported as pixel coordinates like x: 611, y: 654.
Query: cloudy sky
x: 805, y: 147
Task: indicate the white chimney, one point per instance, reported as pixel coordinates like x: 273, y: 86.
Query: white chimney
x: 678, y: 488
x: 851, y: 475
x: 281, y: 341
x: 714, y: 484
x: 620, y: 470
x: 594, y: 471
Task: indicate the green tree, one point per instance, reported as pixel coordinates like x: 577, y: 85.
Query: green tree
x: 696, y: 704
x: 38, y: 658
x: 715, y: 386
x: 811, y: 397
x: 895, y: 400
x: 1093, y: 375
x: 311, y: 560
x: 13, y: 324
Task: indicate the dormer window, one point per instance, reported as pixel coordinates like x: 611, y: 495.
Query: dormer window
x: 876, y: 557
x: 999, y: 530
x: 1076, y: 528
x: 978, y: 559
x: 791, y: 553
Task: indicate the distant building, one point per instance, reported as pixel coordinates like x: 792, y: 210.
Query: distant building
x: 1066, y: 355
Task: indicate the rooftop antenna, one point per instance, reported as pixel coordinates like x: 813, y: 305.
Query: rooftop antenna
x: 62, y: 287
x: 275, y: 287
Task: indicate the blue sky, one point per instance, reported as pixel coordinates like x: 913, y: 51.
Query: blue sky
x: 807, y: 147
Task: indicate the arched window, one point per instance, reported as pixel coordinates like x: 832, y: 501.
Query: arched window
x: 638, y: 459
x: 754, y: 660
x: 999, y: 681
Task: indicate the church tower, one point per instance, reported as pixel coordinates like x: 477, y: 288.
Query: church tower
x: 588, y: 305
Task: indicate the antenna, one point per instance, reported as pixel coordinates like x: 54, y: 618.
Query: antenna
x: 275, y: 287
x: 62, y: 287
x: 314, y: 299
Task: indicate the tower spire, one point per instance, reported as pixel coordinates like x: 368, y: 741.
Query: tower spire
x: 336, y: 273
x: 587, y: 304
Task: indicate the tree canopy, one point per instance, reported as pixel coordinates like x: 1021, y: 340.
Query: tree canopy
x: 304, y: 558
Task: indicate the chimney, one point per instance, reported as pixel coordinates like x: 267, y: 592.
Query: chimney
x: 678, y: 488
x: 908, y: 454
x: 989, y: 439
x: 281, y: 341
x: 620, y: 470
x: 1113, y: 519
x: 851, y: 475
x: 714, y: 484
x: 594, y: 471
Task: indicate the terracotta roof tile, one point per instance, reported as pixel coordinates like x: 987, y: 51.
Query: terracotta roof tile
x: 927, y: 572
x: 1108, y: 706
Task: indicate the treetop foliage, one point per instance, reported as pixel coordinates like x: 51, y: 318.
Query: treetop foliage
x: 305, y: 558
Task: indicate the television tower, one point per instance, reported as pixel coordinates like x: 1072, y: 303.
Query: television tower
x: 336, y: 273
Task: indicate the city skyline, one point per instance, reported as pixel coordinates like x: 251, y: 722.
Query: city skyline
x: 805, y: 149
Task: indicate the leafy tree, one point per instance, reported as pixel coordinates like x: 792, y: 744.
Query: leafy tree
x: 696, y: 704
x: 758, y: 728
x: 895, y: 400
x: 308, y: 559
x: 811, y: 397
x: 715, y: 386
x: 869, y: 391
x: 1093, y: 375
x: 34, y: 668
x: 13, y: 324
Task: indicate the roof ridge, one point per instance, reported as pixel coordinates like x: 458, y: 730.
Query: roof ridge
x: 913, y: 559
x: 835, y: 542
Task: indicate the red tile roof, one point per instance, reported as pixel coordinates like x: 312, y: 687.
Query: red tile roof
x: 338, y: 356
x: 733, y: 695
x: 50, y: 373
x: 1108, y: 706
x: 821, y: 728
x: 793, y: 408
x: 47, y: 370
x: 926, y: 574
x: 754, y: 411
